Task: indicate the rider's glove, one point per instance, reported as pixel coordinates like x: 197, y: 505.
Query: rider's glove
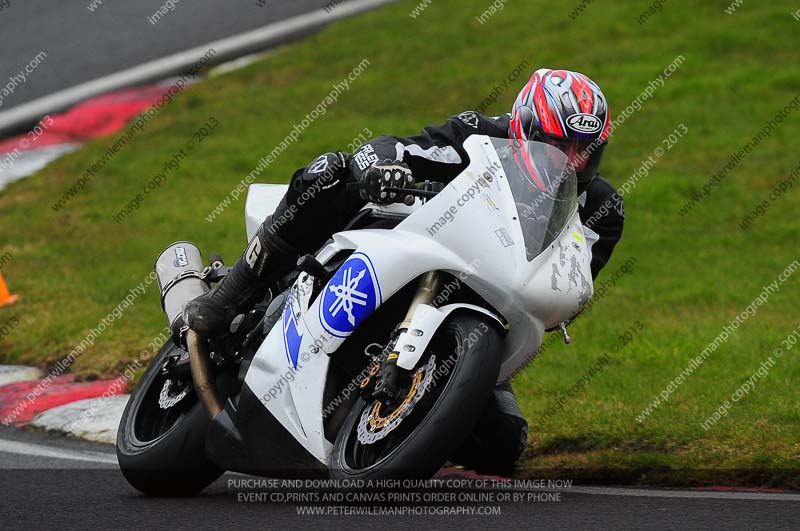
x: 383, y: 175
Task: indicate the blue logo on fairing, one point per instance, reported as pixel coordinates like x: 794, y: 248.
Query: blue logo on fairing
x: 350, y: 296
x: 291, y: 335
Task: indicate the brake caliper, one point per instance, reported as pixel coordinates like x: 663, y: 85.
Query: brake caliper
x: 374, y: 426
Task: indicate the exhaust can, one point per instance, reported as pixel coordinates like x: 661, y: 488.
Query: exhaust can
x: 179, y: 269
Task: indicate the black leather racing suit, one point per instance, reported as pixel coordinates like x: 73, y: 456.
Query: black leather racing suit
x: 437, y: 154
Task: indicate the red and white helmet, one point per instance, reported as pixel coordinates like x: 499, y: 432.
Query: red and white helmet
x: 567, y: 110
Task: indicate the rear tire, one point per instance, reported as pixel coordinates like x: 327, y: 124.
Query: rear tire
x: 441, y: 420
x: 162, y: 452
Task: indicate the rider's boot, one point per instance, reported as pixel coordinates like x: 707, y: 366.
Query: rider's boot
x: 266, y: 259
x: 499, y: 437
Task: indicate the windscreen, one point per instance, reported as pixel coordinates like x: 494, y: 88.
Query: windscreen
x: 544, y: 187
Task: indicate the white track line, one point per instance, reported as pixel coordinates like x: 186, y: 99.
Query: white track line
x: 40, y: 450
x: 653, y: 493
x: 22, y: 448
x: 226, y: 48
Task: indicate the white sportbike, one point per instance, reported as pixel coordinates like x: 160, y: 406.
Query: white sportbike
x: 377, y: 356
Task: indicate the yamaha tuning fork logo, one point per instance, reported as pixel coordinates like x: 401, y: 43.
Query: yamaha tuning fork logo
x: 350, y: 296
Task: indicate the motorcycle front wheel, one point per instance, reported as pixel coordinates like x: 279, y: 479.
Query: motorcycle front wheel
x: 448, y: 391
x: 161, y: 441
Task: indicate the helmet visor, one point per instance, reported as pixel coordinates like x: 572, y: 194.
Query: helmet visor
x: 575, y: 150
x: 584, y: 155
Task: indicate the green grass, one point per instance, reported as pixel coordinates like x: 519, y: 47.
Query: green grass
x: 694, y: 274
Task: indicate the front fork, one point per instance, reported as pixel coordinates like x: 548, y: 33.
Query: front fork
x: 386, y: 387
x: 427, y: 289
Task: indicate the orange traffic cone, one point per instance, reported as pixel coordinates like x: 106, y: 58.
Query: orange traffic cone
x: 6, y: 299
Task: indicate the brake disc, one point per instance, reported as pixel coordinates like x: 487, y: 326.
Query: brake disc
x: 373, y: 427
x: 166, y: 399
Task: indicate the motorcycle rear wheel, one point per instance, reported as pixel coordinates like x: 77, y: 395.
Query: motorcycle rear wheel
x: 161, y: 452
x: 440, y: 420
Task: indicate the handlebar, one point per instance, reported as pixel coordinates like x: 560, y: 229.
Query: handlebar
x: 426, y: 189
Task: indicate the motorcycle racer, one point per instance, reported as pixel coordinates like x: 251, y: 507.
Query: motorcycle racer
x: 559, y: 107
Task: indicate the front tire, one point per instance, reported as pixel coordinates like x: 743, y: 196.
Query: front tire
x: 440, y: 420
x: 161, y: 452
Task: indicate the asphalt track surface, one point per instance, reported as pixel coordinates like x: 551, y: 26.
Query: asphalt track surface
x: 54, y: 482
x: 82, y: 45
